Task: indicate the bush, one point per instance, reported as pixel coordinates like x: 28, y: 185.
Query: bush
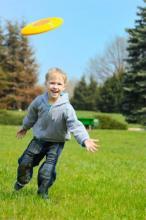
x: 106, y: 122
x: 15, y: 118
x: 11, y: 117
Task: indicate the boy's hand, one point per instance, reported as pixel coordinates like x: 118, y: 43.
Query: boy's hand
x: 21, y: 133
x: 91, y: 145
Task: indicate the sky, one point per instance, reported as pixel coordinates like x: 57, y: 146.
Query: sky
x: 89, y: 25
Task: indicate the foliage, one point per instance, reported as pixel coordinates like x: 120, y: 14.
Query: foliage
x: 134, y: 81
x: 110, y: 94
x: 107, y: 122
x: 84, y: 97
x: 11, y: 117
x: 18, y: 69
x: 107, y: 71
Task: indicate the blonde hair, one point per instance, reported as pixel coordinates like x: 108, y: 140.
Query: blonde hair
x: 56, y: 70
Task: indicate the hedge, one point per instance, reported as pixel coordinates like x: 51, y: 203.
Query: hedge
x: 16, y: 117
x: 11, y: 117
x: 107, y: 122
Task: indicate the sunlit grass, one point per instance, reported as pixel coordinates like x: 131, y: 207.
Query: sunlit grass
x: 107, y: 185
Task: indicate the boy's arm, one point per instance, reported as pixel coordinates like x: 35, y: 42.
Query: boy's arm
x: 29, y: 120
x: 31, y: 117
x: 79, y: 131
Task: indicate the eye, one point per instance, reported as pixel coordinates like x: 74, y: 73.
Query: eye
x: 52, y: 83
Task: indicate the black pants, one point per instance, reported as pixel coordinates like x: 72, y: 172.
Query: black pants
x: 35, y: 152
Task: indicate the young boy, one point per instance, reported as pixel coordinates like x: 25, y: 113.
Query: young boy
x: 52, y: 118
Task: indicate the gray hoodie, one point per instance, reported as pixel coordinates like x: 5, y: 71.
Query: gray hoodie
x: 53, y: 123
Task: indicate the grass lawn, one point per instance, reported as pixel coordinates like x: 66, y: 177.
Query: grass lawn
x: 108, y: 185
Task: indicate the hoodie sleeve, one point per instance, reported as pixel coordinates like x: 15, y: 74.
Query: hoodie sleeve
x: 31, y: 116
x: 75, y: 126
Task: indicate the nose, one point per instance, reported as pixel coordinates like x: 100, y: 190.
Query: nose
x: 55, y: 86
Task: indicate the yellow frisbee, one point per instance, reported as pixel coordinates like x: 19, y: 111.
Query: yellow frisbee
x: 42, y: 25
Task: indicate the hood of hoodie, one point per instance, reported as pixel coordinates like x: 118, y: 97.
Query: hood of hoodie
x: 64, y: 98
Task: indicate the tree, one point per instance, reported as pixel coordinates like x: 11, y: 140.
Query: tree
x: 110, y: 94
x: 84, y: 97
x: 2, y: 48
x: 79, y: 98
x: 134, y: 82
x: 111, y: 62
x: 92, y: 91
x: 19, y: 67
x: 3, y: 75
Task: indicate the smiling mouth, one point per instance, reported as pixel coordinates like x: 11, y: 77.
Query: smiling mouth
x: 55, y: 92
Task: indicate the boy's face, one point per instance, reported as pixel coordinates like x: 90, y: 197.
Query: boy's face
x: 55, y: 86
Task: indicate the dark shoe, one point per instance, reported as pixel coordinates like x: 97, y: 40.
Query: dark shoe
x: 18, y: 186
x: 43, y: 195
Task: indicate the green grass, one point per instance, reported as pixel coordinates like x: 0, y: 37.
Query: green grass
x: 107, y: 185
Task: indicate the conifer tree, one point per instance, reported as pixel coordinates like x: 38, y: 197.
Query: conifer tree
x: 4, y: 84
x: 80, y: 93
x: 92, y: 91
x: 20, y: 69
x: 84, y: 97
x: 110, y: 94
x: 2, y: 48
x: 134, y: 83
